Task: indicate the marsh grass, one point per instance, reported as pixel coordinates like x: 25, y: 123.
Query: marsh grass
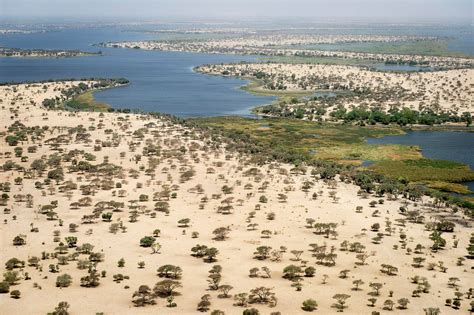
x: 449, y: 187
x: 86, y: 102
x: 340, y: 143
x: 425, y: 170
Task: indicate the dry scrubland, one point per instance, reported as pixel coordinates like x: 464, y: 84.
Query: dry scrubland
x: 150, y: 174
x: 448, y: 91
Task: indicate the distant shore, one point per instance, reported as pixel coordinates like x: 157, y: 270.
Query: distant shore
x: 44, y: 53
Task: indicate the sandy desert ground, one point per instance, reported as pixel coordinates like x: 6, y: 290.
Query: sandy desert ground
x: 151, y: 173
x: 449, y: 90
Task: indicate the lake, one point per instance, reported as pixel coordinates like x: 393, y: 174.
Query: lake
x: 441, y: 145
x: 160, y: 81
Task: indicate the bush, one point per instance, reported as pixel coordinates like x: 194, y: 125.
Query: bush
x: 147, y: 241
x: 251, y: 311
x: 309, y: 305
x: 15, y: 294
x: 4, y: 287
x: 63, y: 281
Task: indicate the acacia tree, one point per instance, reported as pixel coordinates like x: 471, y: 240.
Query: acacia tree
x: 203, y: 305
x: 61, y: 309
x: 357, y: 283
x: 220, y: 234
x: 211, y: 254
x: 92, y: 279
x: 297, y: 254
x: 376, y: 287
x: 341, y: 301
x: 166, y: 288
x: 241, y: 299
x: 225, y: 288
x: 262, y: 252
x: 388, y: 304
x: 292, y: 272
x: 170, y: 271
x: 261, y: 295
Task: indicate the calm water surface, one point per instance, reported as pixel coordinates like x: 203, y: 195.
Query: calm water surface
x: 160, y: 81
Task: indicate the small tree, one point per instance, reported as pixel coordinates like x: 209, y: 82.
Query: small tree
x: 224, y: 289
x: 184, y: 222
x: 372, y: 301
x: 297, y: 254
x: 204, y: 304
x: 309, y: 271
x: 388, y: 305
x: 357, y: 283
x: 376, y: 287
x: 11, y: 277
x: 211, y: 254
x: 71, y: 241
x: 292, y: 272
x: 121, y: 263
x: 262, y: 252
x: 92, y: 279
x: 341, y: 301
x: 241, y: 299
x: 220, y: 234
x: 61, y: 309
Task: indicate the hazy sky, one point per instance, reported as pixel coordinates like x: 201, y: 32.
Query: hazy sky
x: 423, y: 10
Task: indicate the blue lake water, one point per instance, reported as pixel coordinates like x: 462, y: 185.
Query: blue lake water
x: 160, y: 81
x: 442, y: 145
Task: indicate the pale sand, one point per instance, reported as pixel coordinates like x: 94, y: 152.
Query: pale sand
x: 235, y: 253
x: 450, y: 90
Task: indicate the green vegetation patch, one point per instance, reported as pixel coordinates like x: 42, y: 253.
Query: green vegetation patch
x: 256, y: 87
x: 363, y: 152
x: 86, y: 102
x: 339, y: 143
x: 449, y: 187
x: 320, y: 60
x: 422, y: 47
x: 425, y: 170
